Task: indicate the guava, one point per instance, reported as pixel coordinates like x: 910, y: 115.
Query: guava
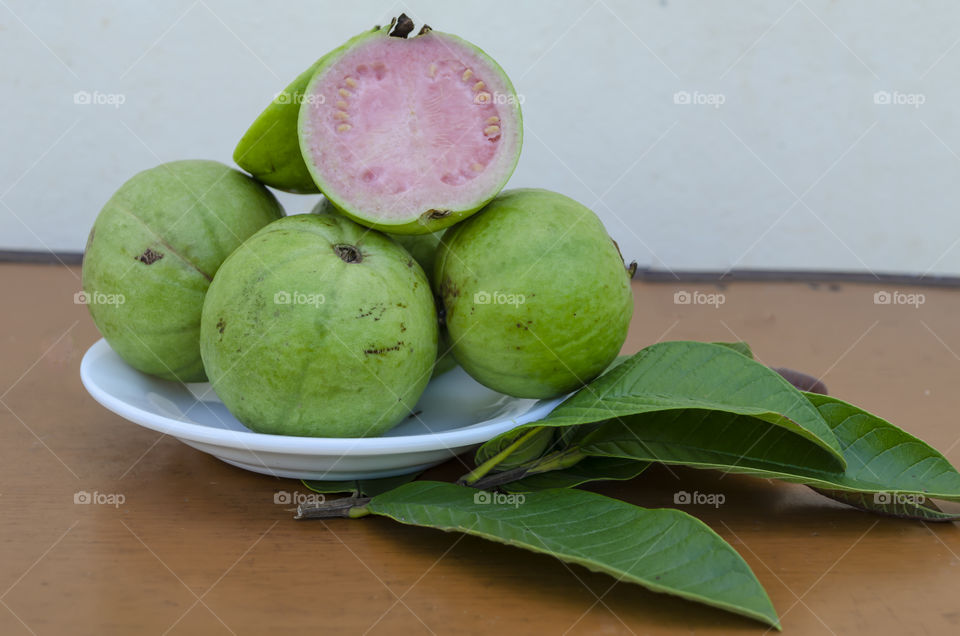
x: 266, y: 151
x: 403, y: 134
x: 423, y: 248
x: 536, y: 297
x: 270, y: 150
x: 152, y: 252
x: 317, y: 326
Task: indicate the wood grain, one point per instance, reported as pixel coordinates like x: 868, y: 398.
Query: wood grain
x: 200, y: 547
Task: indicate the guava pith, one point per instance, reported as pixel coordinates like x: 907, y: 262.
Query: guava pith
x: 317, y: 326
x: 536, y: 298
x: 156, y: 245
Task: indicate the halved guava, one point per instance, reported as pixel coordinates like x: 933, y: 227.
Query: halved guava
x: 269, y: 150
x: 409, y: 135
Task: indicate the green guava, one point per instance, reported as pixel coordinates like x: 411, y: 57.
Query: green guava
x: 403, y: 134
x: 265, y: 150
x: 270, y: 150
x: 317, y: 326
x: 423, y: 248
x: 536, y: 297
x: 153, y: 251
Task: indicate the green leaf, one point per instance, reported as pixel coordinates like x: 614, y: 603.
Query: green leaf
x: 528, y: 444
x: 365, y: 487
x: 663, y: 550
x: 584, y: 471
x: 880, y: 457
x: 891, y: 504
x: 740, y: 347
x: 693, y: 375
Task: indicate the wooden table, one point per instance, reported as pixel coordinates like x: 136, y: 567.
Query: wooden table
x: 200, y: 547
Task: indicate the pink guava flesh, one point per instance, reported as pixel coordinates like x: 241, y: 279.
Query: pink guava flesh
x: 398, y: 128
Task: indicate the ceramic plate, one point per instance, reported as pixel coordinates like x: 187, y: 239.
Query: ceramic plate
x: 454, y: 414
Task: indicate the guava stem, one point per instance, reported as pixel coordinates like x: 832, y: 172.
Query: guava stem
x: 344, y: 508
x: 402, y: 26
x: 555, y: 461
x: 484, y: 468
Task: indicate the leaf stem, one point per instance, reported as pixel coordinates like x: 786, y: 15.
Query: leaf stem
x: 480, y: 471
x: 344, y: 508
x: 555, y: 461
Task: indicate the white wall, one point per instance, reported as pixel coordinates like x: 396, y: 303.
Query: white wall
x: 798, y: 168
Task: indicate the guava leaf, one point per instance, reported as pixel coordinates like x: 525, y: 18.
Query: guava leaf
x: 740, y: 347
x: 663, y: 550
x: 891, y: 504
x: 880, y: 457
x: 587, y: 470
x: 537, y: 443
x: 363, y: 487
x: 691, y: 375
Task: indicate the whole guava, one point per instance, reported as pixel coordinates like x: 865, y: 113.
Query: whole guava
x: 423, y: 249
x: 153, y: 251
x: 536, y: 296
x: 317, y: 326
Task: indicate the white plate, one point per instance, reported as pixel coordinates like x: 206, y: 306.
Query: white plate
x: 454, y: 414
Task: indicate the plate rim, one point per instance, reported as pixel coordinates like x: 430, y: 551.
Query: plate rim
x: 462, y: 437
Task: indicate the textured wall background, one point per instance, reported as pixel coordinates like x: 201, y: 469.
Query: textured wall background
x: 801, y: 134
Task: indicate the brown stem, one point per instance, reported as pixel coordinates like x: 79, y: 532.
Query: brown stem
x: 403, y: 27
x: 343, y: 508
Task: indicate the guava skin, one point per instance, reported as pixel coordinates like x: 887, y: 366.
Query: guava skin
x: 317, y: 326
x: 536, y: 296
x: 266, y: 151
x: 423, y: 249
x: 157, y: 244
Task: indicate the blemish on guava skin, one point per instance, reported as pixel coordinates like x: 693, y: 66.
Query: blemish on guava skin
x: 149, y: 256
x: 221, y: 325
x: 403, y: 327
x: 383, y: 350
x: 348, y: 253
x: 447, y: 288
x: 522, y: 326
x: 435, y: 215
x: 376, y: 311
